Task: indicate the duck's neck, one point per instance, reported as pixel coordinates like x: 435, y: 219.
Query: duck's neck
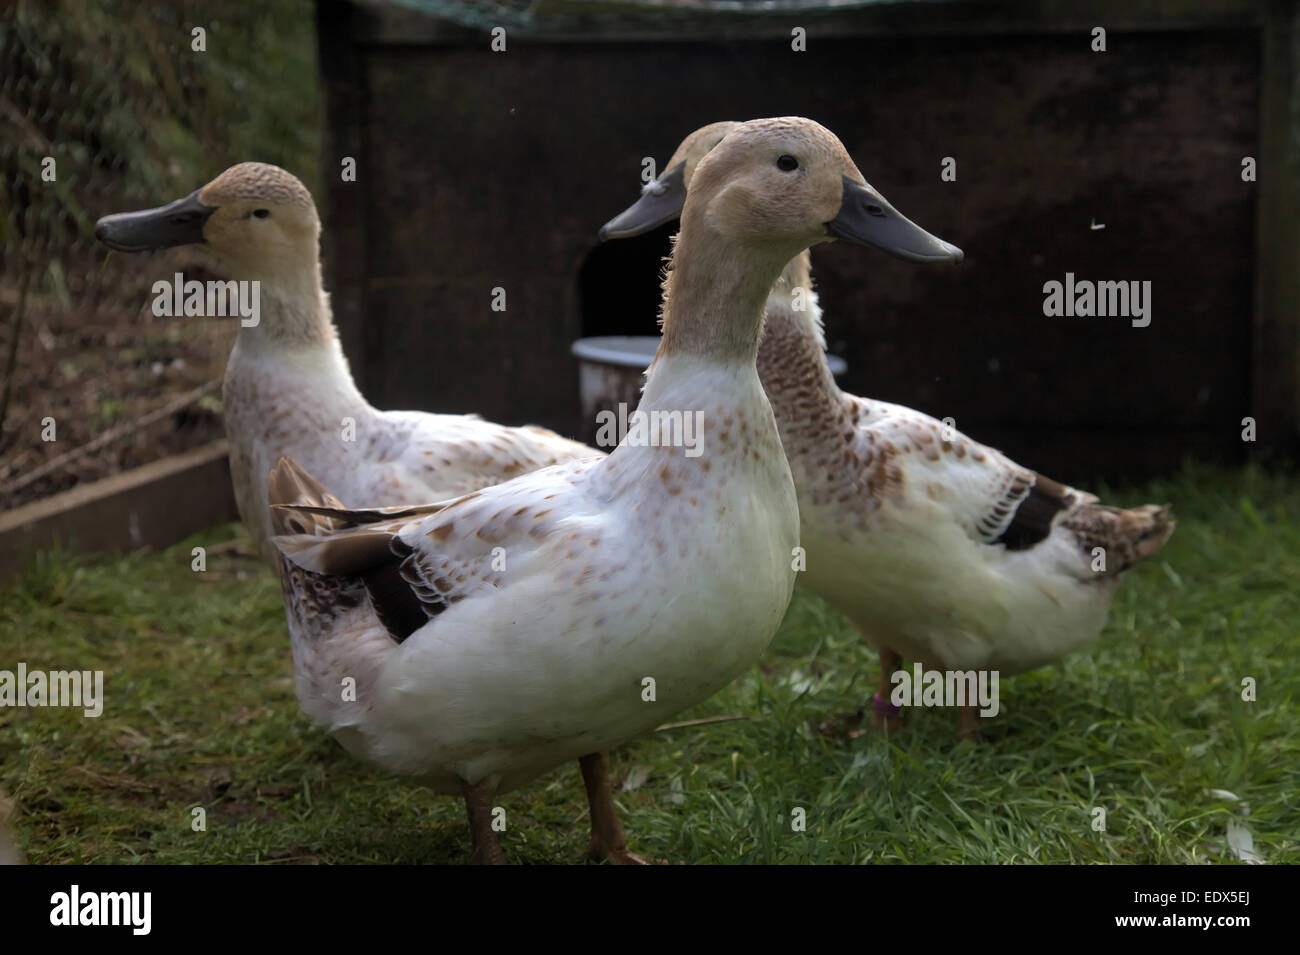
x: 714, y: 294
x: 295, y: 338
x: 792, y: 353
x: 294, y: 312
x: 703, y: 419
x: 797, y: 274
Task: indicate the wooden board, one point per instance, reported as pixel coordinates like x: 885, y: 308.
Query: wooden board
x: 152, y: 506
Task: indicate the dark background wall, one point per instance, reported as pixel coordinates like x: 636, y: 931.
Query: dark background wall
x: 480, y: 170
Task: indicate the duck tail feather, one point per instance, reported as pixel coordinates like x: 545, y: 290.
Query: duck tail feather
x: 1127, y: 535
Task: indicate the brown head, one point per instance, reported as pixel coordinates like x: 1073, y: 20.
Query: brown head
x: 258, y: 218
x: 787, y: 176
x: 767, y: 191
x: 662, y: 199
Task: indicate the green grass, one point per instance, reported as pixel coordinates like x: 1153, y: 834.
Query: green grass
x: 200, y: 712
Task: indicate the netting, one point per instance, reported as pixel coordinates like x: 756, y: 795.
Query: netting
x: 106, y: 105
x: 524, y: 16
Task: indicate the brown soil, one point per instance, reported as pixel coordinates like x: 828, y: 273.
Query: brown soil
x: 92, y: 356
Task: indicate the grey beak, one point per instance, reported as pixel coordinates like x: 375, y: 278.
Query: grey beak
x: 867, y: 218
x: 177, y: 223
x: 661, y: 202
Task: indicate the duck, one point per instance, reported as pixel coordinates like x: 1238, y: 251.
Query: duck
x: 552, y: 617
x: 288, y: 390
x: 938, y: 549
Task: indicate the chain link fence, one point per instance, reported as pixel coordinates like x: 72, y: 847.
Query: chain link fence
x: 109, y: 105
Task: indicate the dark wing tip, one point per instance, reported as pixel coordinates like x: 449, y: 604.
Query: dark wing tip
x: 1032, y: 521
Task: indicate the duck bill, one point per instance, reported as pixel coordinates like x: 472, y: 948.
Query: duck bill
x: 177, y: 223
x: 867, y: 218
x: 660, y: 202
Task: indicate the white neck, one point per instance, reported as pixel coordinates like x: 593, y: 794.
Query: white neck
x: 705, y: 370
x: 295, y: 340
x: 294, y: 312
x: 714, y: 293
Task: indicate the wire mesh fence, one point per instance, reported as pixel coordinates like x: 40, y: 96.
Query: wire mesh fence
x: 109, y: 105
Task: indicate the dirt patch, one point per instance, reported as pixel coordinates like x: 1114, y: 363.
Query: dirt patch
x: 86, y: 366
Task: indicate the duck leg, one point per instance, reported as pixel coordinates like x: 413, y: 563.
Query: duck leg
x: 886, y: 714
x: 607, y: 838
x: 478, y: 803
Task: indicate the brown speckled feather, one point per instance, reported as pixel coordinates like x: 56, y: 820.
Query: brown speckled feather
x: 856, y: 455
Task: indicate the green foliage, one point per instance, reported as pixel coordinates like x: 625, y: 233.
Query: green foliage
x: 115, y: 93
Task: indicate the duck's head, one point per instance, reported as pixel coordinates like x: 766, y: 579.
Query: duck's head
x: 789, y: 179
x: 662, y: 199
x: 256, y: 217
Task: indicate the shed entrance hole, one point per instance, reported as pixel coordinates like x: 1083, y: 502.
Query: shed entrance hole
x: 619, y: 284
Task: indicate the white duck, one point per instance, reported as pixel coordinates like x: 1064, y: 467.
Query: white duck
x: 939, y: 550
x: 287, y: 388
x: 495, y: 637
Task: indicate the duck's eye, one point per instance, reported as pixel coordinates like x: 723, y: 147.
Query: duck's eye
x: 787, y: 163
x: 261, y: 213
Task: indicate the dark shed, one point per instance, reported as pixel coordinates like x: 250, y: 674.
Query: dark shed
x: 480, y: 170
